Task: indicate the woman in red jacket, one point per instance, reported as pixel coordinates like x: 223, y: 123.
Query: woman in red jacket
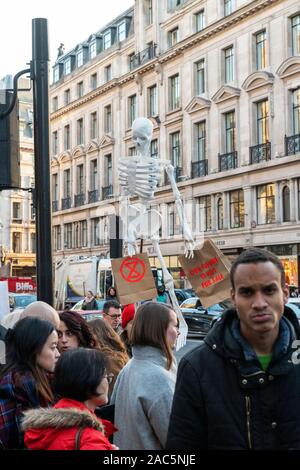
x: 82, y: 383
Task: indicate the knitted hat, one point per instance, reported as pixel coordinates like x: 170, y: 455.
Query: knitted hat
x: 127, y: 314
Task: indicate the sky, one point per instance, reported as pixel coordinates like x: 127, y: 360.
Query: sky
x: 68, y: 22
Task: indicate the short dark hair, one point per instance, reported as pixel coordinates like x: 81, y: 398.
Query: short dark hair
x: 78, y: 373
x: 257, y: 255
x: 109, y: 304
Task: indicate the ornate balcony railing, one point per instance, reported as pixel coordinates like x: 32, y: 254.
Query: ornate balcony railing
x: 228, y: 161
x: 79, y: 199
x: 199, y: 168
x: 107, y: 192
x: 260, y: 153
x: 142, y: 57
x: 54, y: 206
x: 93, y: 196
x: 292, y: 144
x: 66, y: 203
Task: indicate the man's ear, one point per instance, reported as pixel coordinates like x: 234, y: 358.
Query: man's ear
x: 232, y: 295
x: 286, y: 293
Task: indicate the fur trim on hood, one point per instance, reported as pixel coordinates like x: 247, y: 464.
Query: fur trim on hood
x: 59, y: 418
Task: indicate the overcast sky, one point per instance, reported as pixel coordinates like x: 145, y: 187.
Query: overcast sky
x: 68, y: 22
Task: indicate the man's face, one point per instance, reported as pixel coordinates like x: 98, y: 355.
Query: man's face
x: 258, y: 297
x: 113, y: 317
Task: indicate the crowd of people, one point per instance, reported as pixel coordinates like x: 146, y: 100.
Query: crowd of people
x: 112, y: 383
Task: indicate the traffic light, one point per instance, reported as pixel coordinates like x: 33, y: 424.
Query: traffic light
x: 9, y: 143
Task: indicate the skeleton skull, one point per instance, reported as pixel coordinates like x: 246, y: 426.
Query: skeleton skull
x: 142, y: 129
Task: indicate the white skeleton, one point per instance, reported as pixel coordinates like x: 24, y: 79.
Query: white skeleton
x: 139, y: 176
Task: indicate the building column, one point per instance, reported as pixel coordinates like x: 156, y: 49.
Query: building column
x: 249, y: 216
x: 278, y: 208
x: 293, y: 199
x: 226, y: 211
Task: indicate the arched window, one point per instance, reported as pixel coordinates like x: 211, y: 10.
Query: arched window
x: 220, y: 213
x: 286, y: 204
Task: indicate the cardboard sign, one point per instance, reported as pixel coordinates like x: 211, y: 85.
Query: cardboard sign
x: 134, y: 279
x: 208, y: 272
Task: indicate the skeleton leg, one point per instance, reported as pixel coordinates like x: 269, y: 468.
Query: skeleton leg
x: 129, y: 233
x: 168, y: 280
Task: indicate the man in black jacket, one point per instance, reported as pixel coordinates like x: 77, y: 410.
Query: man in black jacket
x: 241, y: 388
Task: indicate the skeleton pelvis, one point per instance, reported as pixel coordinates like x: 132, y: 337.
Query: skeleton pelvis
x: 146, y: 224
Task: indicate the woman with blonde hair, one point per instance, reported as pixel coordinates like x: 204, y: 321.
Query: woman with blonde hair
x: 111, y: 345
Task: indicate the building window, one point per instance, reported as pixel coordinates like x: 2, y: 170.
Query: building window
x: 154, y: 148
x: 56, y: 74
x: 173, y: 37
x: 55, y: 187
x: 149, y: 12
x: 132, y: 151
x: 67, y: 97
x: 228, y: 7
x: 237, y: 210
x: 205, y: 213
x: 296, y: 35
x: 200, y: 140
x: 228, y: 56
x: 93, y: 175
x: 199, y: 20
x: 32, y: 243
x: 57, y: 237
x: 174, y: 227
x: 80, y: 58
x: 261, y: 50
x: 122, y: 31
x: 67, y: 139
x: 80, y: 89
x: 229, y: 120
x: 80, y: 179
x: 200, y: 77
x: 16, y: 242
x: 68, y: 236
x: 55, y: 143
x: 174, y: 92
x: 94, y: 81
x: 67, y: 66
x: 17, y: 212
x: 107, y: 40
x: 108, y: 74
x: 132, y: 109
x: 152, y: 101
x: 67, y: 183
x: 220, y: 215
x: 107, y: 119
x: 262, y: 117
x: 175, y: 150
x: 94, y: 125
x: 93, y: 49
x: 83, y: 233
x: 54, y: 104
x: 266, y: 204
x: 296, y: 112
x: 96, y: 239
x: 286, y: 210
x: 80, y: 132
x: 108, y: 167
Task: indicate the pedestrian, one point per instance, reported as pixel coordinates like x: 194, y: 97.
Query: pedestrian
x: 241, y: 388
x: 81, y: 380
x: 162, y: 294
x: 111, y: 294
x: 43, y: 311
x: 127, y: 321
x: 144, y: 388
x: 112, y: 314
x: 74, y: 332
x: 24, y: 380
x: 112, y: 346
x: 89, y: 303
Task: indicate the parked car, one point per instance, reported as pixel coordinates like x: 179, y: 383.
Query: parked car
x: 90, y: 314
x: 20, y: 301
x: 295, y: 306
x: 199, y: 319
x: 183, y: 294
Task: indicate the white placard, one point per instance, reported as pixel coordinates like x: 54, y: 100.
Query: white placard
x: 4, y: 301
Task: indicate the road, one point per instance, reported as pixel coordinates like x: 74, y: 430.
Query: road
x: 190, y: 345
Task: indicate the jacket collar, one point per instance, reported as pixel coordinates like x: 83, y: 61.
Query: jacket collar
x: 152, y: 354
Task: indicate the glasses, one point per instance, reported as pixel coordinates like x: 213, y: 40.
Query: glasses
x: 117, y: 315
x: 109, y: 378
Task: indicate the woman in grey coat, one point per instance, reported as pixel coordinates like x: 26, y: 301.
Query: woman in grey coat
x: 144, y: 389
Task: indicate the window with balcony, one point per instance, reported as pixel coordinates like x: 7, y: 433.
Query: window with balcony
x: 148, y: 12
x: 107, y: 190
x: 107, y: 119
x: 262, y: 121
x: 107, y: 40
x: 67, y: 183
x: 94, y: 81
x: 292, y: 142
x: 228, y: 7
x: 266, y: 204
x: 176, y: 154
x: 80, y: 179
x: 55, y: 194
x: 174, y: 87
x: 94, y: 125
x: 200, y: 77
x: 152, y: 101
x: 79, y: 89
x: 229, y: 64
x: 261, y: 50
x: 286, y: 208
x: 296, y: 111
x: 80, y: 136
x: 205, y: 213
x: 121, y: 31
x: 173, y: 37
x: 16, y: 242
x: 220, y: 214
x: 296, y: 34
x: 199, y: 21
x: 67, y: 137
x: 237, y: 209
x: 199, y: 164
x: 93, y: 174
x: 131, y: 109
x: 67, y: 97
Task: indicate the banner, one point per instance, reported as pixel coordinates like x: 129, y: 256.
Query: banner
x: 134, y: 279
x: 208, y: 272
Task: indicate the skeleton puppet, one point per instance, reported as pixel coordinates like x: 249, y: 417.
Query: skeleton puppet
x: 139, y: 176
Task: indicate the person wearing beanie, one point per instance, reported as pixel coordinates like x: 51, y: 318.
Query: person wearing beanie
x: 127, y: 320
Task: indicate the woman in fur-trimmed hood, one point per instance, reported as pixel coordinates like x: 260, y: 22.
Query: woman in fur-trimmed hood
x: 82, y: 382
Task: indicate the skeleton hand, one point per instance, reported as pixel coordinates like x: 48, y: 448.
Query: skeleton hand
x: 132, y: 248
x: 189, y: 249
